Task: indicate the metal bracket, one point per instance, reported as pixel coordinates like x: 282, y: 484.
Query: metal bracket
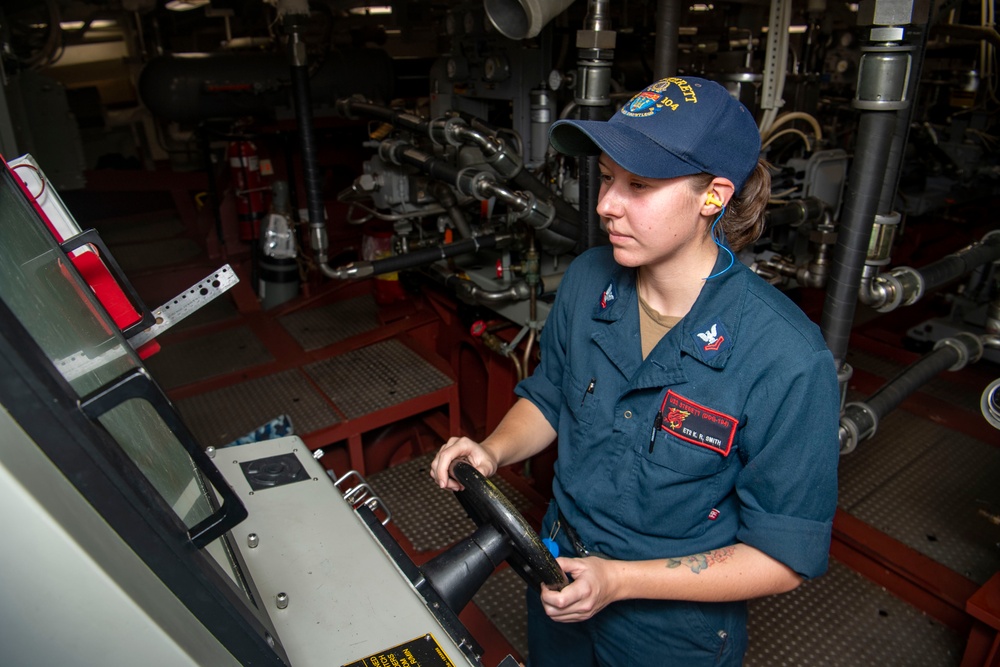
x: 186, y: 303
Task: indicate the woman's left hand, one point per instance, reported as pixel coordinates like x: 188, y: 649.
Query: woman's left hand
x: 592, y: 589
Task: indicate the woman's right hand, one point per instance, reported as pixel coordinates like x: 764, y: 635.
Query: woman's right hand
x: 478, y: 456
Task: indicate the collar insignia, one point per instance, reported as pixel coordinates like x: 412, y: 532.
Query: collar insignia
x: 712, y: 340
x: 608, y: 295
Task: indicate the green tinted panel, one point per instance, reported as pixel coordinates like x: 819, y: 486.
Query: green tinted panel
x: 63, y: 316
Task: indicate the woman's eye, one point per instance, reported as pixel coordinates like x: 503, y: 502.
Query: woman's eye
x: 605, y: 178
x: 638, y: 186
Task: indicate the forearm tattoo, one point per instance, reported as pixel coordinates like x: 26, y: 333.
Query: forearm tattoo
x: 699, y: 562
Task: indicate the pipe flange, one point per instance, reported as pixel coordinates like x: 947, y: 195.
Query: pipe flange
x: 471, y: 181
x: 990, y: 340
x: 848, y: 436
x: 889, y: 286
x: 450, y: 133
x: 866, y: 409
x: 976, y: 346
x: 910, y: 276
x: 969, y: 351
x: 990, y: 403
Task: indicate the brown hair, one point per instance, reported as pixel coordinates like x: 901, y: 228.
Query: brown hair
x: 743, y: 221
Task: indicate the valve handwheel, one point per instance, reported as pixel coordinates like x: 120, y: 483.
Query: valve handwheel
x: 487, y: 505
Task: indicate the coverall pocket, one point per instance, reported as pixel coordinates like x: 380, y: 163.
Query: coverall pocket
x: 581, y: 395
x: 680, y: 484
x: 690, y: 460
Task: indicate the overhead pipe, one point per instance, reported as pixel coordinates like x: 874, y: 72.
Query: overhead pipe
x: 860, y: 420
x: 522, y: 19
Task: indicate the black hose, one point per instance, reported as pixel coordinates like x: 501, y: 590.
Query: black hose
x: 525, y: 180
x: 958, y: 264
x: 307, y: 143
x: 444, y: 171
x: 875, y: 132
x: 668, y: 21
x: 910, y: 379
x: 590, y: 190
x: 866, y: 415
x: 424, y: 256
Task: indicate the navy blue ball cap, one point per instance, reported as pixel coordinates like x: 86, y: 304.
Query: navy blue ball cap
x: 675, y: 127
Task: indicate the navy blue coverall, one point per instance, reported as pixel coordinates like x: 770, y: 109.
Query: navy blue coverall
x: 744, y: 449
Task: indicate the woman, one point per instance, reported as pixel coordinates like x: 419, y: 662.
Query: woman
x: 696, y: 407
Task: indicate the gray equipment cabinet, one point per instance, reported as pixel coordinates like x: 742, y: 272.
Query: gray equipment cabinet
x: 126, y: 543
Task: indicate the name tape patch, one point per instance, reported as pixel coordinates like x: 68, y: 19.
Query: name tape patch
x: 698, y: 424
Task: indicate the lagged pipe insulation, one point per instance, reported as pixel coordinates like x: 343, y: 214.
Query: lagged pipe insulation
x: 905, y: 286
x: 860, y: 419
x: 415, y: 258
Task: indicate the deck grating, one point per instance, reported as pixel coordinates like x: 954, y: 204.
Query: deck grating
x: 429, y: 517
x: 207, y: 356
x: 324, y: 325
x: 843, y: 620
x: 220, y: 416
x: 376, y: 377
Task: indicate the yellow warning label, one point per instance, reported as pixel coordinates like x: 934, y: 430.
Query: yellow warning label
x: 420, y: 652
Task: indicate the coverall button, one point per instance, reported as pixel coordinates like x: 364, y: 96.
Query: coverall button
x: 628, y: 414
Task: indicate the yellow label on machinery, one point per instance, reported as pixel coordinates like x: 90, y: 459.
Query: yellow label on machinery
x: 420, y: 652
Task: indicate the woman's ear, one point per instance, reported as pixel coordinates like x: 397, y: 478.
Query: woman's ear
x: 717, y: 195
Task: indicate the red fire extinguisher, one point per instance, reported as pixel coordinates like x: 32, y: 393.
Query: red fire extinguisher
x: 244, y: 165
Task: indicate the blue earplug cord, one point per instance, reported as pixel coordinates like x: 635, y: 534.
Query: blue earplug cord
x: 732, y: 258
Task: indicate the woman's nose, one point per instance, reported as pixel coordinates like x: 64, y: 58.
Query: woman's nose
x: 608, y: 202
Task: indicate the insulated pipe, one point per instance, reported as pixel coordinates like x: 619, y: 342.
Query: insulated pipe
x: 957, y: 264
x: 875, y: 131
x: 887, y: 201
x: 668, y: 21
x: 412, y: 260
x: 307, y: 144
x: 595, y: 44
x: 860, y: 419
x: 905, y: 286
x: 590, y: 190
x: 883, y: 95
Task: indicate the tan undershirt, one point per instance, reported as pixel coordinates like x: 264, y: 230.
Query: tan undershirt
x: 652, y: 325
